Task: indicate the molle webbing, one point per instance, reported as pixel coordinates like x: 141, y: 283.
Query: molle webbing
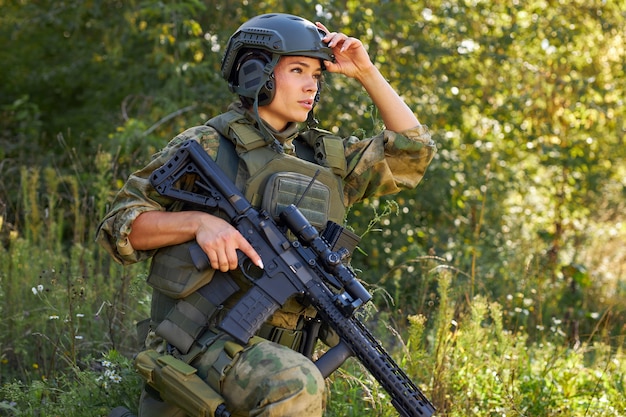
x: 328, y: 150
x: 237, y: 127
x: 192, y: 315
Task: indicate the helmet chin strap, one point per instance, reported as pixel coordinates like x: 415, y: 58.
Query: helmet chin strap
x: 311, y: 121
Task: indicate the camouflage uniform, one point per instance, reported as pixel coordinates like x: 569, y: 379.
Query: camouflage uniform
x: 263, y: 379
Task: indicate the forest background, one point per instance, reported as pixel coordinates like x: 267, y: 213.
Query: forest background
x: 499, y: 283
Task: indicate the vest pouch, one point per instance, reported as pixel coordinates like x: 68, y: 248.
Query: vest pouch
x: 173, y: 273
x: 311, y: 196
x: 178, y: 383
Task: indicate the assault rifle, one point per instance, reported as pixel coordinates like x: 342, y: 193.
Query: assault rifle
x: 306, y: 267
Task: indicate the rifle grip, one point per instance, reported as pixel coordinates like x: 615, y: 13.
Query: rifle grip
x: 330, y: 361
x: 247, y: 316
x: 199, y: 258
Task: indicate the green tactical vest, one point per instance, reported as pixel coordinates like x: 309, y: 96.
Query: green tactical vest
x: 271, y: 180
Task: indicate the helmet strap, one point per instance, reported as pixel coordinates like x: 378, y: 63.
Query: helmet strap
x: 311, y: 121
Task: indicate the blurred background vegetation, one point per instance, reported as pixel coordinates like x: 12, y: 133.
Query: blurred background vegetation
x: 520, y: 214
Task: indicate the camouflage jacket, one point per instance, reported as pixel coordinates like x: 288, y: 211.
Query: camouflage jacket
x: 381, y: 165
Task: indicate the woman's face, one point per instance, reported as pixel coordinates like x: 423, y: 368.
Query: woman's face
x: 296, y: 83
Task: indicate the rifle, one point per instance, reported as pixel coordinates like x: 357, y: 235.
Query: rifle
x: 305, y: 267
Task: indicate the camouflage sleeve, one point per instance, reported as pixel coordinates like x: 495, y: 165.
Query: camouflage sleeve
x: 386, y: 163
x: 138, y: 196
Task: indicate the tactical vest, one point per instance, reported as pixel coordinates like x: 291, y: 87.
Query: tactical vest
x: 270, y: 180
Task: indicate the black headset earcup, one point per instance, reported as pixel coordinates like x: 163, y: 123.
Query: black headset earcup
x: 249, y: 78
x: 250, y: 75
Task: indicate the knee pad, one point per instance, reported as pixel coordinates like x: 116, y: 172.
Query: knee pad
x: 271, y: 379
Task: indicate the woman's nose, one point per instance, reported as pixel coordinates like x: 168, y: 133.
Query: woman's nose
x: 311, y: 85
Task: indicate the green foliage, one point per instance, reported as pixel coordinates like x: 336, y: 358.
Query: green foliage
x: 64, y: 310
x: 91, y: 392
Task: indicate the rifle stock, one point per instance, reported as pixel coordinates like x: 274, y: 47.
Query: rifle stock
x: 305, y: 267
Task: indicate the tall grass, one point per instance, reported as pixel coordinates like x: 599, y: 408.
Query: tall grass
x: 473, y: 366
x: 61, y: 301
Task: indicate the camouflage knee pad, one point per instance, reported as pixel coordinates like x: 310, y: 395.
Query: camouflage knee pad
x: 266, y: 379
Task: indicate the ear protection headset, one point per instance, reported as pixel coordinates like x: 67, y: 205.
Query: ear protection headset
x: 252, y: 79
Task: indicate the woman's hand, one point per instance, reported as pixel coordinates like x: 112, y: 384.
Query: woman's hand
x: 220, y: 241
x: 351, y: 58
x: 217, y: 238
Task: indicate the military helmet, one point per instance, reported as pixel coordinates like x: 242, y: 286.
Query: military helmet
x: 255, y: 48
